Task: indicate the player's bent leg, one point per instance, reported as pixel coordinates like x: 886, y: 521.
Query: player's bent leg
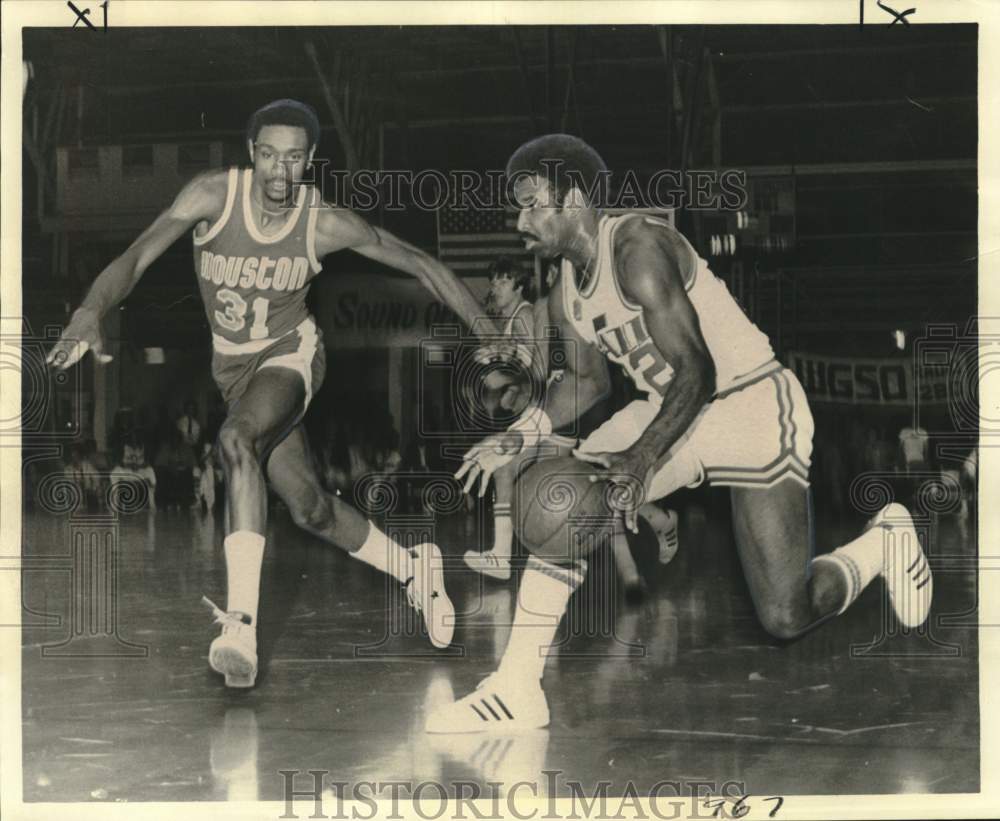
x: 512, y: 698
x: 495, y: 562
x: 291, y: 471
x: 628, y: 573
x: 272, y: 401
x: 774, y: 538
x: 265, y: 413
x: 292, y: 475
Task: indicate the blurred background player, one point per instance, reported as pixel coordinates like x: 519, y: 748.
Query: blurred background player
x: 524, y: 349
x: 259, y: 236
x: 718, y: 406
x: 530, y: 350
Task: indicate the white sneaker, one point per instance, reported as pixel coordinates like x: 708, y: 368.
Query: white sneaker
x: 664, y: 525
x: 426, y: 594
x: 497, y: 705
x: 905, y: 568
x: 489, y: 564
x: 234, y: 651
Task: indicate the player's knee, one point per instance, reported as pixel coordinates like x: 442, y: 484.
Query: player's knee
x: 782, y: 623
x: 236, y: 444
x: 312, y: 515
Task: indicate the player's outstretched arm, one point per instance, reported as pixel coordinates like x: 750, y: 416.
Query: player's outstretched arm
x: 201, y: 199
x: 339, y: 228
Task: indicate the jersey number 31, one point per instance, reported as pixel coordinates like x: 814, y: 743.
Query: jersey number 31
x: 234, y: 317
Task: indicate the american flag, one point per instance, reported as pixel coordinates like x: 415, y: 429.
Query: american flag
x: 469, y: 239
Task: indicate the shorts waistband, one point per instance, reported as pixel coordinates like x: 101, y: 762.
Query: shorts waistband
x: 224, y: 346
x: 750, y: 378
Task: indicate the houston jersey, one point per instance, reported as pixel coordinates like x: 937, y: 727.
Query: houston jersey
x: 601, y: 314
x: 254, y: 285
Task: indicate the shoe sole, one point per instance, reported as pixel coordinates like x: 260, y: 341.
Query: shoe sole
x: 232, y: 664
x: 438, y: 574
x: 492, y: 572
x: 491, y: 729
x: 474, y: 562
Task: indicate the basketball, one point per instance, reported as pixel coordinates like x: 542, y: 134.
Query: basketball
x: 558, y: 513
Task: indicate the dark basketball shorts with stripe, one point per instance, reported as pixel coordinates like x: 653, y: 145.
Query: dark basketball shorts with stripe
x: 755, y: 435
x: 300, y: 350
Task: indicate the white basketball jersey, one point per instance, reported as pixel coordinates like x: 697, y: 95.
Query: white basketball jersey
x: 602, y: 314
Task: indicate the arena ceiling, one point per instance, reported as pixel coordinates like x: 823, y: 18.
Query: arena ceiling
x: 759, y: 95
x: 879, y: 124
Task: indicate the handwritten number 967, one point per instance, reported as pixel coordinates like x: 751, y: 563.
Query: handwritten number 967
x: 740, y: 808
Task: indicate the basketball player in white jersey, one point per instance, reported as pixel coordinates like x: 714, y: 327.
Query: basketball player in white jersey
x: 526, y: 325
x: 719, y: 407
x: 259, y: 235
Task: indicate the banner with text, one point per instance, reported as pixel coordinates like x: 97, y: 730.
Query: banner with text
x: 858, y: 381
x: 378, y: 311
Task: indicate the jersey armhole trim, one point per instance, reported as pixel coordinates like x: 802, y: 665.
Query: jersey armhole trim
x: 313, y: 216
x: 227, y: 211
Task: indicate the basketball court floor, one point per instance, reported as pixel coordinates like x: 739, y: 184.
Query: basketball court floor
x: 684, y: 686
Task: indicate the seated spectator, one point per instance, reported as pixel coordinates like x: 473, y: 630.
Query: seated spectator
x: 188, y: 426
x: 133, y: 467
x: 204, y: 479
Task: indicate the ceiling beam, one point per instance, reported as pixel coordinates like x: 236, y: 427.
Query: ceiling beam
x: 787, y: 54
x: 840, y: 104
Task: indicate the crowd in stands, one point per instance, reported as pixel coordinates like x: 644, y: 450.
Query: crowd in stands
x: 175, y: 458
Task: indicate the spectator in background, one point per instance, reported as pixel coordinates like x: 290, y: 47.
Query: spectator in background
x: 133, y: 467
x: 878, y: 453
x: 335, y: 461
x: 189, y: 427
x: 204, y: 479
x: 913, y: 449
x: 216, y: 416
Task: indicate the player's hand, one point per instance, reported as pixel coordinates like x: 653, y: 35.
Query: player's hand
x: 631, y: 471
x: 480, y: 462
x: 81, y: 335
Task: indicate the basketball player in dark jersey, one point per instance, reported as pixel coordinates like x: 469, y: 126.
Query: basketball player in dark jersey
x: 718, y: 406
x: 259, y: 236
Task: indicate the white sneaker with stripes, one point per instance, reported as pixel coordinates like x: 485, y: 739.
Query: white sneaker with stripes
x: 498, y: 705
x: 905, y: 568
x: 233, y: 654
x: 489, y: 564
x: 664, y: 525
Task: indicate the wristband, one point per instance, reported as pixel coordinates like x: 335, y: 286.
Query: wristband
x: 534, y: 425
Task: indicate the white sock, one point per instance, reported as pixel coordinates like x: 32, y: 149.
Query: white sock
x: 385, y: 554
x: 503, y: 531
x: 541, y: 603
x: 244, y: 551
x: 860, y: 561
